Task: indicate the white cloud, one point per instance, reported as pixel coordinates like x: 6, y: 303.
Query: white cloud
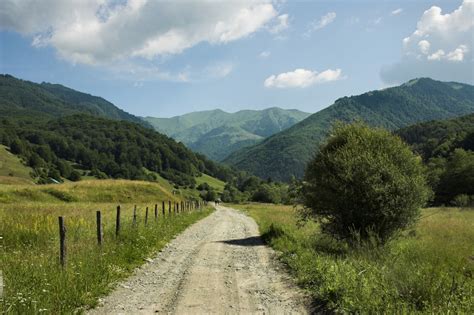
x: 219, y: 70
x: 102, y: 31
x: 301, y: 78
x: 282, y: 24
x: 440, y: 47
x: 397, y: 11
x: 458, y: 53
x: 264, y: 54
x: 437, y: 55
x: 324, y: 21
x: 424, y: 46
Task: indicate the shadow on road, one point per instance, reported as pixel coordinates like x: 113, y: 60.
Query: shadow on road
x: 248, y: 241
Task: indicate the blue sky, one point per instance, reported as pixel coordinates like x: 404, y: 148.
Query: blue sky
x: 165, y: 58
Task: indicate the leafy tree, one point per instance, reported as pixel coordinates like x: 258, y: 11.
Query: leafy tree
x: 458, y: 178
x: 364, y: 181
x: 266, y: 193
x: 209, y: 195
x: 232, y: 194
x: 16, y: 147
x: 75, y: 176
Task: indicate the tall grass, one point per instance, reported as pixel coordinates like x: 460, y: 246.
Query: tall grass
x: 35, y: 282
x: 428, y: 269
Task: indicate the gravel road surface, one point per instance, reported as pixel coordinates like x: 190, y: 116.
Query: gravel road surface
x: 219, y: 265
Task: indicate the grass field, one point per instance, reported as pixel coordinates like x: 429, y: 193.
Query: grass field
x: 34, y: 281
x: 215, y: 183
x: 12, y: 171
x: 428, y: 269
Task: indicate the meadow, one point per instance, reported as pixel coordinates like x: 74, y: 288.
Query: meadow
x: 34, y: 281
x: 426, y: 269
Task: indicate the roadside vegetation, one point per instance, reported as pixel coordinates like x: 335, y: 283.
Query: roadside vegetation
x: 359, y: 242
x: 33, y: 278
x: 428, y: 268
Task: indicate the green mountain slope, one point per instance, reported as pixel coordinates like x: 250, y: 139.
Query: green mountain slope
x: 217, y: 133
x: 68, y: 147
x: 447, y: 148
x: 61, y: 133
x: 439, y: 138
x: 28, y: 99
x: 286, y: 153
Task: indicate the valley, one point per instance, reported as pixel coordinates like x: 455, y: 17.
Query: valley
x: 217, y: 134
x: 236, y: 157
x: 85, y: 155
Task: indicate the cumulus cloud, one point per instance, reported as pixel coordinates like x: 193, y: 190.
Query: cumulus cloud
x: 301, y: 78
x: 424, y: 46
x: 397, y: 11
x: 264, y: 54
x: 440, y: 47
x: 324, y: 21
x: 101, y: 31
x: 281, y: 25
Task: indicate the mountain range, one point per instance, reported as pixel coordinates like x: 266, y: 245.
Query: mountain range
x: 216, y: 133
x: 62, y: 133
x: 286, y: 153
x: 23, y: 98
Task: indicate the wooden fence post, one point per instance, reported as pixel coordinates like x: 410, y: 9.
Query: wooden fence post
x: 182, y: 205
x: 146, y: 216
x: 99, y: 227
x: 117, y: 222
x: 62, y: 242
x: 134, y: 222
x: 169, y: 206
x: 156, y: 211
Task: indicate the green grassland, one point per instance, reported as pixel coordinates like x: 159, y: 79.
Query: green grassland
x: 12, y: 170
x: 34, y: 281
x: 427, y: 269
x: 215, y: 183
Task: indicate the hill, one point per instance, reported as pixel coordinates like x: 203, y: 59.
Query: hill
x: 447, y: 147
x: 216, y: 133
x: 439, y: 138
x: 286, y: 153
x: 12, y: 170
x: 73, y: 146
x: 22, y: 98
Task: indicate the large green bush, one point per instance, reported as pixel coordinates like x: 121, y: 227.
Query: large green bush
x: 364, y: 182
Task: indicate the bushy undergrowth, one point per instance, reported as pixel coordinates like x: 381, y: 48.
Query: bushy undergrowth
x: 428, y: 269
x: 35, y: 282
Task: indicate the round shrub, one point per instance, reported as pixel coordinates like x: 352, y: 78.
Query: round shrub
x: 364, y: 182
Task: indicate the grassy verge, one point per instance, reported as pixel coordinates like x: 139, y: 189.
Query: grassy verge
x: 428, y: 269
x: 33, y: 279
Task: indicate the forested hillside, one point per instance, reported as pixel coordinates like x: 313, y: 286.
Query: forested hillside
x: 217, y: 133
x: 67, y: 146
x: 19, y: 98
x: 62, y: 133
x: 286, y: 153
x: 447, y: 147
x: 440, y: 137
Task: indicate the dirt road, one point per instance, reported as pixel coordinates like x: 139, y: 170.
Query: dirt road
x: 217, y: 266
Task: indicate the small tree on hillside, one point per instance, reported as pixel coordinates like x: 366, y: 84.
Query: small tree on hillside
x: 364, y: 181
